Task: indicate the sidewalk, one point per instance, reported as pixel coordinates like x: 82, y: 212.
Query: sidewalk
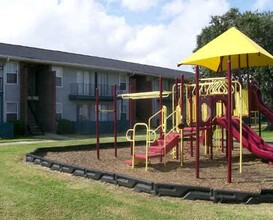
x: 50, y: 136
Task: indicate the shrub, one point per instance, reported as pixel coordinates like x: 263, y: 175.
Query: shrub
x: 19, y: 128
x: 65, y: 126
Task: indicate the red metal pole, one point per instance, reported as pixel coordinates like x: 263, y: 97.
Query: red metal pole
x: 182, y: 103
x: 239, y: 71
x: 191, y: 136
x: 229, y: 125
x: 182, y: 95
x: 131, y: 118
x: 175, y: 104
x: 248, y: 91
x: 197, y: 122
x: 210, y: 129
x: 160, y: 104
x: 222, y: 127
x: 97, y: 124
x: 115, y: 119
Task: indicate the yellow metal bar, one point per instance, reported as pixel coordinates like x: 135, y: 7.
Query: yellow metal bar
x: 107, y: 110
x: 145, y: 95
x: 213, y: 79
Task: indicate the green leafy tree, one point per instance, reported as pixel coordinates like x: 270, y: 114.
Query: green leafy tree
x: 256, y: 25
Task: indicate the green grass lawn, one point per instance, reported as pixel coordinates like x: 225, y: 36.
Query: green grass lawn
x: 28, y: 191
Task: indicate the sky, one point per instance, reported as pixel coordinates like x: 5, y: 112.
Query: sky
x: 153, y: 32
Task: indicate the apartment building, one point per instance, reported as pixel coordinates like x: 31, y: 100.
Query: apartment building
x: 40, y: 87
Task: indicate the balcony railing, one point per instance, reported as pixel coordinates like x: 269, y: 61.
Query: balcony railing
x: 89, y: 90
x: 1, y: 84
x: 82, y: 89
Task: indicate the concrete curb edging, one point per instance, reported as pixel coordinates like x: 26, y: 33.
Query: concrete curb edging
x: 159, y: 189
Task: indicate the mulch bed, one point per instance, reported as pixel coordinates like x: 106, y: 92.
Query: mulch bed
x: 213, y: 173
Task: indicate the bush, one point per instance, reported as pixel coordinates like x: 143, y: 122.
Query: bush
x: 19, y: 128
x: 65, y: 126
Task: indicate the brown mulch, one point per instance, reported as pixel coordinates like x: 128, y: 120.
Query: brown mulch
x: 213, y: 173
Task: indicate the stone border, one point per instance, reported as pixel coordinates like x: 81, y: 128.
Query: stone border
x: 139, y: 185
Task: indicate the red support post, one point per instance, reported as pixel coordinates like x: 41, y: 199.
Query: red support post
x: 229, y: 120
x: 131, y: 118
x: 182, y: 94
x: 160, y: 104
x: 222, y: 128
x: 182, y: 103
x: 97, y: 124
x: 115, y: 119
x: 191, y: 136
x: 248, y: 91
x: 197, y: 122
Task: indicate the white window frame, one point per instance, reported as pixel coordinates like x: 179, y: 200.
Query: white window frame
x: 7, y: 112
x: 123, y: 110
x: 89, y: 113
x: 6, y: 72
x: 59, y: 74
x: 123, y: 79
x: 60, y: 107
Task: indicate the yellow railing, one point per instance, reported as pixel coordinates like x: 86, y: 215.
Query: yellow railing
x: 149, y: 132
x: 177, y: 115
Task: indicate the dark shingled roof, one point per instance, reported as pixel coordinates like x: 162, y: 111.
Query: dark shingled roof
x: 31, y: 54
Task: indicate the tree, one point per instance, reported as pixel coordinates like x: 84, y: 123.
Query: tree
x: 256, y: 25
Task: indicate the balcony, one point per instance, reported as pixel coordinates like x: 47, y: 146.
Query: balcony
x: 1, y: 84
x: 82, y: 91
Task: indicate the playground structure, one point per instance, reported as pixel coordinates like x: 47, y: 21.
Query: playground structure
x: 209, y: 111
x: 167, y: 137
x: 209, y: 104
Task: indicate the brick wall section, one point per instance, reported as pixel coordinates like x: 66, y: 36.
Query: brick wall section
x: 47, y: 97
x: 23, y: 94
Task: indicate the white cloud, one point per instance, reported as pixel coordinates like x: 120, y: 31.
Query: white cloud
x: 137, y: 5
x: 173, y: 8
x: 263, y: 5
x: 85, y: 26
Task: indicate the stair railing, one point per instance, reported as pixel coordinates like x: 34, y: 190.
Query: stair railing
x: 162, y: 113
x: 31, y: 105
x: 177, y: 115
x: 133, y: 140
x: 149, y: 133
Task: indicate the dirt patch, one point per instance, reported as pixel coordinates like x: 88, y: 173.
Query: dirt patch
x: 213, y: 173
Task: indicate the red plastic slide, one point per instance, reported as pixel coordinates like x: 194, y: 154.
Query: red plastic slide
x: 257, y: 99
x: 250, y: 140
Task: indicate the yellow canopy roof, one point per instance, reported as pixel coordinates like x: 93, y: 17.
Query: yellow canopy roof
x: 233, y: 43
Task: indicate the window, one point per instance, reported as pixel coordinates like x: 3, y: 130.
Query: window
x: 103, y: 113
x: 84, y: 112
x: 104, y: 89
x: 59, y: 111
x: 123, y: 111
x: 12, y: 73
x: 59, y: 75
x: 12, y: 109
x: 122, y: 81
x: 84, y: 86
x: 1, y: 77
x: 167, y: 85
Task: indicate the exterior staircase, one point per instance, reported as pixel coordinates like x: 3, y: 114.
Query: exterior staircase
x: 33, y: 125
